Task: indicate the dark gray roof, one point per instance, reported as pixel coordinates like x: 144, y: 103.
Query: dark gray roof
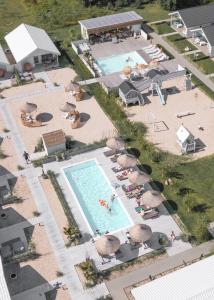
x: 198, y: 16
x: 126, y: 86
x: 116, y: 19
x: 209, y: 33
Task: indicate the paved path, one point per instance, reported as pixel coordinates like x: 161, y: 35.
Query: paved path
x: 159, y: 21
x: 169, y: 33
x: 182, y: 61
x: 89, y: 81
x: 116, y: 286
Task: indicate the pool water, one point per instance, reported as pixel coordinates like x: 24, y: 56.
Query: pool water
x: 116, y: 63
x: 89, y: 184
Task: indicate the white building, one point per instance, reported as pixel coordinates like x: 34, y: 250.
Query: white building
x: 32, y: 45
x: 54, y: 141
x: 194, y: 282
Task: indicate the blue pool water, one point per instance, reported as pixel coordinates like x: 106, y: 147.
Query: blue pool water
x: 116, y: 63
x: 89, y: 184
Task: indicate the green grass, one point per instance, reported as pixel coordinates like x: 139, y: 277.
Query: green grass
x: 179, y: 43
x: 162, y: 28
x: 12, y: 14
x: 203, y: 62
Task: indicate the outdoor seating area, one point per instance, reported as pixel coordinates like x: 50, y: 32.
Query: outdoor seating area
x: 26, y: 76
x: 26, y: 117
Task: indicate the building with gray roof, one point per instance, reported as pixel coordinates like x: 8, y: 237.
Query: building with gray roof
x: 110, y: 22
x: 192, y: 18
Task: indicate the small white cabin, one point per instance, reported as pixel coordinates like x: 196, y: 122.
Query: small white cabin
x: 129, y: 94
x: 185, y: 139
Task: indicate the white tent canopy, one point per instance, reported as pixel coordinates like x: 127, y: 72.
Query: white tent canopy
x: 25, y: 40
x: 194, y: 282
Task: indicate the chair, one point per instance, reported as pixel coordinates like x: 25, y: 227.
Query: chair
x: 76, y: 123
x: 109, y: 153
x: 29, y: 122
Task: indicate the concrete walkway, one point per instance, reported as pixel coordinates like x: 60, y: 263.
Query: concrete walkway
x: 116, y: 286
x: 182, y: 61
x: 89, y: 81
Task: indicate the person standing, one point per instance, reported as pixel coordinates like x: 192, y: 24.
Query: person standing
x: 26, y: 157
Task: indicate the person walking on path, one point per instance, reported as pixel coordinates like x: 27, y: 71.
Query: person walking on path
x: 26, y: 157
x: 172, y: 236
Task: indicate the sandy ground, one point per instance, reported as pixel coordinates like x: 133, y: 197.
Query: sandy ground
x: 10, y: 162
x: 55, y: 205
x: 61, y: 76
x: 167, y: 124
x: 46, y: 264
x: 62, y: 294
x: 23, y: 89
x: 21, y: 189
x: 94, y: 127
x: 2, y: 125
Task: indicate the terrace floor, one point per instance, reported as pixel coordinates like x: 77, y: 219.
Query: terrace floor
x: 163, y: 132
x: 108, y: 48
x: 163, y: 224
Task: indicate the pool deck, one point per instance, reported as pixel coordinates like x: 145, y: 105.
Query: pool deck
x: 164, y: 224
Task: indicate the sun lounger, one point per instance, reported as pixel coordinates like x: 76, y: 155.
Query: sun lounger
x: 150, y: 213
x: 122, y: 177
x: 152, y: 51
x: 109, y: 153
x: 118, y: 169
x: 114, y: 158
x: 134, y: 194
x: 129, y: 188
x: 148, y: 47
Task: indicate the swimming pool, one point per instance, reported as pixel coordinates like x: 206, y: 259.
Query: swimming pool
x: 89, y: 184
x: 116, y: 63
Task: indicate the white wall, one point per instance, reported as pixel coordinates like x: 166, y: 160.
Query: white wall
x: 136, y: 27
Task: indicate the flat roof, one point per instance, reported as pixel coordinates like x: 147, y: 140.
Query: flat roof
x: 126, y: 86
x: 198, y: 15
x: 111, y: 20
x: 194, y: 282
x: 209, y: 33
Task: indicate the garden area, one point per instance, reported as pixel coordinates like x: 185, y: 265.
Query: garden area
x: 162, y: 28
x: 190, y: 196
x: 180, y: 43
x: 202, y: 62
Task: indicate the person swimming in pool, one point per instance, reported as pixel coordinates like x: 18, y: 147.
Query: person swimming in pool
x: 113, y: 196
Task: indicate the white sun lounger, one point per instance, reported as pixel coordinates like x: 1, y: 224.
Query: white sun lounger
x: 155, y: 54
x: 153, y: 48
x: 152, y: 51
x: 148, y: 47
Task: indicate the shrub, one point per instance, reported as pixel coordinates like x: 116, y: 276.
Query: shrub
x: 2, y: 155
x: 39, y: 146
x: 6, y: 130
x: 19, y: 168
x: 59, y: 273
x: 36, y: 213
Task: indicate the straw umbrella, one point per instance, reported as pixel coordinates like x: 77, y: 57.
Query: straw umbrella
x: 140, y: 233
x: 127, y: 161
x: 115, y: 143
x: 154, y: 63
x: 28, y: 108
x: 68, y: 107
x: 151, y: 199
x: 139, y: 178
x: 72, y: 86
x: 107, y: 244
x: 127, y: 70
x: 142, y: 66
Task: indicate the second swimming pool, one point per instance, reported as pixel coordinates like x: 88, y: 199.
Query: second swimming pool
x: 89, y: 184
x: 116, y: 63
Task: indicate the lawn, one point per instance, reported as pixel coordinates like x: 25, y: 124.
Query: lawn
x: 179, y: 43
x: 13, y: 13
x: 203, y: 62
x: 191, y: 194
x: 162, y: 28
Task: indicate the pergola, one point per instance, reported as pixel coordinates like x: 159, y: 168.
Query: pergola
x: 107, y: 23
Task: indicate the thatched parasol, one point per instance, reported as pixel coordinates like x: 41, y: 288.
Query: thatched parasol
x: 28, y: 108
x: 139, y: 178
x: 140, y: 233
x: 68, y: 107
x: 151, y: 199
x: 127, y: 161
x: 28, y: 67
x: 107, y: 244
x: 141, y: 66
x: 115, y: 143
x: 73, y: 86
x: 127, y: 70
